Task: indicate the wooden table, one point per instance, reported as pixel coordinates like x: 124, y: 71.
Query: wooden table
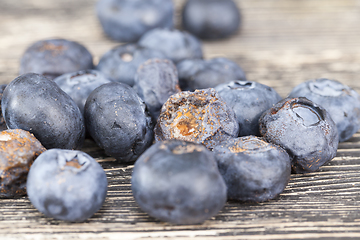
x: 282, y: 43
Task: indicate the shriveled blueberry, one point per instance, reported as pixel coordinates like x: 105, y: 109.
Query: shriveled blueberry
x: 211, y: 19
x: 79, y: 85
x: 175, y: 44
x: 18, y: 150
x: 248, y: 100
x: 118, y: 121
x: 121, y: 63
x: 199, y: 74
x: 304, y: 129
x: 36, y: 104
x: 54, y: 57
x: 67, y: 185
x: 339, y: 100
x: 201, y: 116
x: 253, y: 169
x: 128, y: 20
x: 2, y: 120
x: 155, y: 81
x: 178, y: 182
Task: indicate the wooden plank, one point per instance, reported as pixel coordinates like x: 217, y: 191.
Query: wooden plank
x: 281, y: 44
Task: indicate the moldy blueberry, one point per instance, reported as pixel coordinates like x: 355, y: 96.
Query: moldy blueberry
x: 211, y: 19
x: 201, y: 116
x: 117, y: 119
x: 18, y: 150
x: 339, y: 100
x: 199, y: 74
x: 253, y: 169
x: 304, y: 129
x: 54, y: 57
x: 121, y: 63
x: 248, y: 100
x: 175, y: 44
x: 37, y: 104
x: 128, y: 20
x: 155, y: 81
x: 178, y: 182
x: 67, y: 185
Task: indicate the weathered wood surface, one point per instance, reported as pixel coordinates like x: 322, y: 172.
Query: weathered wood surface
x: 282, y: 43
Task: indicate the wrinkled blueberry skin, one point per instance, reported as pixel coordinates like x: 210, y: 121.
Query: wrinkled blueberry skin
x: 79, y: 85
x: 248, y: 100
x: 178, y: 182
x: 339, y: 100
x: 211, y: 19
x: 200, y: 74
x: 128, y: 20
x: 118, y: 121
x: 36, y: 104
x: 304, y: 129
x: 254, y: 170
x: 2, y: 120
x: 54, y: 57
x: 175, y: 44
x: 66, y: 185
x: 121, y: 63
x: 18, y: 150
x: 201, y: 117
x: 155, y: 81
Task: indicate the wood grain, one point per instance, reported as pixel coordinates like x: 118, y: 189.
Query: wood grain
x: 281, y: 43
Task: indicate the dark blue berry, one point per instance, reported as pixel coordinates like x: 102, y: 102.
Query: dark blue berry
x: 117, y: 119
x: 175, y: 44
x: 253, y: 169
x: 36, y: 104
x: 201, y: 116
x: 339, y: 100
x: 304, y: 129
x: 79, y: 85
x: 178, y: 182
x: 248, y: 100
x: 2, y: 120
x: 128, y: 20
x: 18, y: 150
x: 121, y: 63
x: 67, y: 185
x: 200, y: 74
x: 211, y: 19
x: 155, y: 81
x: 54, y: 57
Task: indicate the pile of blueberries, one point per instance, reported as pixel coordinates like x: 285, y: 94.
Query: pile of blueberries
x: 198, y: 132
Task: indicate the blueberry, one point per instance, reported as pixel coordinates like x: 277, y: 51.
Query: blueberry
x: 211, y: 19
x: 175, y: 44
x: 118, y: 121
x: 67, y: 185
x: 304, y: 129
x: 254, y: 170
x: 155, y: 81
x: 79, y: 85
x: 248, y: 100
x: 18, y: 150
x: 178, y: 182
x: 2, y: 120
x: 201, y: 117
x: 121, y: 63
x: 36, y: 104
x: 128, y: 20
x: 339, y: 100
x: 199, y: 74
x: 54, y: 57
